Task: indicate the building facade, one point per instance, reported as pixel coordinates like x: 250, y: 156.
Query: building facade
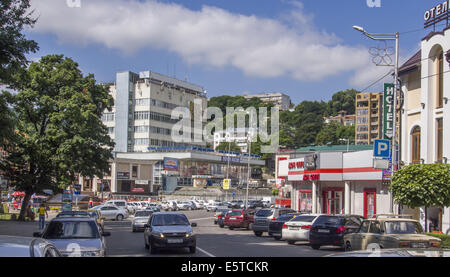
x: 238, y: 135
x: 335, y: 183
x: 143, y: 104
x: 164, y: 169
x: 426, y: 112
x: 342, y: 118
x: 368, y: 117
x: 278, y: 99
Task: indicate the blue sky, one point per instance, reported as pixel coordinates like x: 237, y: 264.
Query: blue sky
x: 305, y: 49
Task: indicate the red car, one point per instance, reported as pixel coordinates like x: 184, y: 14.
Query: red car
x: 239, y: 219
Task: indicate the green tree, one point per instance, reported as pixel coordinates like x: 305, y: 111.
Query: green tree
x: 224, y: 146
x: 14, y: 17
x: 342, y: 101
x: 58, y: 131
x: 335, y: 133
x: 422, y: 185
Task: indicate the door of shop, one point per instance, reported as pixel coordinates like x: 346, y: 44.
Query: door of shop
x: 305, y: 201
x: 370, y: 203
x: 333, y: 201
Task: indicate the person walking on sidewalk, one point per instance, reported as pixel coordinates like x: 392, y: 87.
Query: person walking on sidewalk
x: 42, y: 214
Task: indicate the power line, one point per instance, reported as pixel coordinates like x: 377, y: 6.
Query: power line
x: 374, y: 83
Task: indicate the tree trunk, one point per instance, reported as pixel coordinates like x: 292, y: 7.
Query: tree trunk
x: 426, y: 220
x: 23, y: 210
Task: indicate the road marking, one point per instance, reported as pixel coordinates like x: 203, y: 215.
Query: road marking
x: 202, y: 218
x: 206, y: 252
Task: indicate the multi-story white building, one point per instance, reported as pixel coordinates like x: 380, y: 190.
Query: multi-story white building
x: 425, y: 115
x: 279, y: 100
x: 237, y: 135
x: 143, y: 104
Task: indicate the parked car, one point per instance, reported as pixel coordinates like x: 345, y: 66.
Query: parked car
x: 199, y: 204
x: 185, y: 205
x: 330, y: 229
x: 113, y: 213
x: 153, y: 209
x: 121, y: 204
x: 263, y: 217
x: 213, y: 205
x: 218, y: 213
x: 390, y: 233
x: 253, y: 204
x: 169, y: 230
x: 275, y: 226
x: 297, y: 229
x: 236, y: 204
x: 140, y: 219
x: 13, y: 246
x: 238, y: 219
x: 170, y: 205
x: 73, y: 214
x: 75, y: 237
x: 98, y: 217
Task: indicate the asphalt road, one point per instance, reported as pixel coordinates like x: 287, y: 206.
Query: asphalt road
x: 212, y: 241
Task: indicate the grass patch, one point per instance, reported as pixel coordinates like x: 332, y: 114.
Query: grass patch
x: 445, y: 239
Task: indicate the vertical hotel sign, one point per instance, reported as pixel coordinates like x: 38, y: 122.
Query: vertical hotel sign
x: 388, y: 111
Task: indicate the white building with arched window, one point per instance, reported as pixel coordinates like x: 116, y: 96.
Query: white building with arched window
x: 425, y: 115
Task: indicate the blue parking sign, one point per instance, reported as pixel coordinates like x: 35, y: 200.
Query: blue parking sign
x: 382, y: 148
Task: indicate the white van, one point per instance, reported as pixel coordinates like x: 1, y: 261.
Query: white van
x: 121, y: 204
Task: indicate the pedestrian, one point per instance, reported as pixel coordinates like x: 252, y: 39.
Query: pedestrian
x: 90, y: 203
x: 42, y: 214
x: 30, y: 212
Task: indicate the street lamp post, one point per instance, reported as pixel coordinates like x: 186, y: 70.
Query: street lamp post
x: 250, y: 135
x: 394, y: 37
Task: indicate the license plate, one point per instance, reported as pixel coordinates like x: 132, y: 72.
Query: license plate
x: 294, y: 228
x: 323, y: 231
x: 174, y: 240
x: 232, y: 218
x: 418, y: 245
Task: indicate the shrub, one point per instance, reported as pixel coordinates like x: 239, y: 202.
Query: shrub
x: 445, y: 239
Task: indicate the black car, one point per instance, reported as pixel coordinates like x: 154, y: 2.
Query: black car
x: 253, y: 204
x: 330, y: 229
x: 169, y: 230
x: 276, y: 226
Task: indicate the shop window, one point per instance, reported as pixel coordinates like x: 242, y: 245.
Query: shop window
x: 415, y: 145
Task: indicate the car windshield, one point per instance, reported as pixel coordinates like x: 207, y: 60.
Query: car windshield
x: 303, y: 218
x: 403, y: 227
x: 120, y: 204
x: 235, y: 213
x: 142, y: 214
x: 71, y: 230
x: 169, y: 220
x: 264, y: 213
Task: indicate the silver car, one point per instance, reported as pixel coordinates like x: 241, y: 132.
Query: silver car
x: 113, y: 212
x: 75, y: 237
x: 169, y: 230
x: 140, y: 219
x: 12, y: 246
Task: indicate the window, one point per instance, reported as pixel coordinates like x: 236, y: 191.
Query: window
x: 141, y: 141
x: 375, y: 227
x: 134, y: 171
x: 363, y: 112
x: 110, y: 130
x: 107, y: 117
x: 362, y: 120
x: 415, y: 145
x: 141, y: 129
x: 364, y: 227
x: 440, y: 138
x: 440, y: 81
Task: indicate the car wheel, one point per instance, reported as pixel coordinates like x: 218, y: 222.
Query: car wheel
x: 348, y: 247
x: 291, y: 242
x: 134, y: 230
x: 192, y: 249
x: 221, y: 226
x: 119, y: 217
x: 315, y: 246
x: 153, y: 250
x: 231, y: 228
x: 277, y: 238
x: 258, y: 234
x: 146, y: 245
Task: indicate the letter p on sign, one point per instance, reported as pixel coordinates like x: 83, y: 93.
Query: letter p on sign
x: 374, y: 3
x: 382, y: 148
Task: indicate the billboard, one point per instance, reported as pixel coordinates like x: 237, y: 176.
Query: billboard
x: 170, y: 164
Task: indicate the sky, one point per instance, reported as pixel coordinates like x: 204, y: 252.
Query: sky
x: 306, y: 49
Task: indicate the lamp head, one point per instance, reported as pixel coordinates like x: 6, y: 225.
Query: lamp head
x: 358, y: 28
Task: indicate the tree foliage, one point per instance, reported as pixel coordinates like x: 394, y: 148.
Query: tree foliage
x: 14, y: 17
x: 58, y: 131
x: 422, y: 185
x: 232, y: 146
x: 335, y: 133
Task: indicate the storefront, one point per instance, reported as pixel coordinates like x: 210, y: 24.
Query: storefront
x: 336, y: 183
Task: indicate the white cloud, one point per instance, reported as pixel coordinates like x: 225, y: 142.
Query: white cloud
x: 211, y: 36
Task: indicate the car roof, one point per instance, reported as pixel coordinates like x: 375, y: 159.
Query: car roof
x: 73, y: 219
x: 391, y: 219
x: 172, y: 213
